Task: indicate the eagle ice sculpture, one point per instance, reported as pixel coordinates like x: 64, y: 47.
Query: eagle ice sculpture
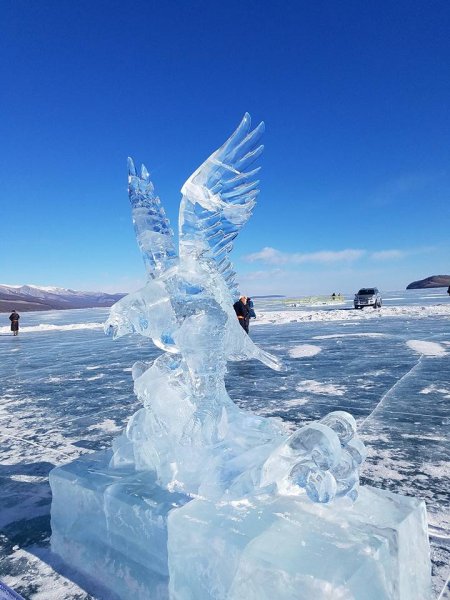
x: 190, y: 433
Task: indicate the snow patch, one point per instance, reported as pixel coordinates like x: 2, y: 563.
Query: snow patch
x: 28, y: 478
x: 107, y: 425
x: 55, y: 379
x: 426, y: 348
x: 304, y: 350
x: 435, y: 389
x: 342, y: 335
x: 300, y: 316
x: 94, y: 377
x: 316, y: 387
x: 50, y: 327
x: 295, y: 402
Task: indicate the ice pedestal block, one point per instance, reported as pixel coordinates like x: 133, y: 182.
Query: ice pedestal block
x: 139, y: 541
x: 111, y: 526
x: 285, y: 549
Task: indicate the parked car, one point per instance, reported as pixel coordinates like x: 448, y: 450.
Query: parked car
x: 367, y: 297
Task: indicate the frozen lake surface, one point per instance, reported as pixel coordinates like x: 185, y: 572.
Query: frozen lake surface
x: 66, y: 389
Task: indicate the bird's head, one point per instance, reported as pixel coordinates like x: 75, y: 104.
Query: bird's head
x: 148, y: 312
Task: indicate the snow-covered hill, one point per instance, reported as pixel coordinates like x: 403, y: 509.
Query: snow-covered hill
x: 33, y: 297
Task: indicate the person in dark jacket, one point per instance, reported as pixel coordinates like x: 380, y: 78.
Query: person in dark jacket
x: 251, y: 310
x: 242, y: 312
x: 448, y: 290
x: 14, y: 318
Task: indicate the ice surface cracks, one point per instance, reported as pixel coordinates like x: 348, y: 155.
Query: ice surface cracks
x: 389, y: 392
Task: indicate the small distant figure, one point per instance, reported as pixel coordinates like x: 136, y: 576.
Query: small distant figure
x: 14, y: 318
x: 242, y: 312
x: 251, y: 310
x: 333, y: 296
x: 448, y: 290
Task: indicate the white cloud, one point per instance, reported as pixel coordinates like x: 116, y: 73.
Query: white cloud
x: 267, y: 255
x: 272, y: 256
x: 389, y: 255
x: 398, y: 254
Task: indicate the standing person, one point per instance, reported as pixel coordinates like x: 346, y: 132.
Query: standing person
x: 14, y: 318
x: 448, y: 290
x: 242, y: 312
x: 251, y: 310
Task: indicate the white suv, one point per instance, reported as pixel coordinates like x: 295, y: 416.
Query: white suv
x: 367, y: 297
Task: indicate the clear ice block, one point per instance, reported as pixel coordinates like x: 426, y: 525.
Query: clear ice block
x: 111, y: 526
x: 279, y: 547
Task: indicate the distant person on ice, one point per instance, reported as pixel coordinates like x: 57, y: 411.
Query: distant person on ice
x: 14, y: 318
x: 448, y: 290
x: 251, y: 310
x: 242, y: 312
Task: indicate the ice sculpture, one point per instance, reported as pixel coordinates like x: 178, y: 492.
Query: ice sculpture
x: 125, y: 516
x: 190, y: 433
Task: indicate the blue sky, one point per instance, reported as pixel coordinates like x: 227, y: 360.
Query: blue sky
x: 355, y: 186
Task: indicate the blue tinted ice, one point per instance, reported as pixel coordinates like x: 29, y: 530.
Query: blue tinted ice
x: 189, y: 429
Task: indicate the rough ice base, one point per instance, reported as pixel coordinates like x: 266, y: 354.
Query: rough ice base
x: 137, y: 540
x: 111, y: 526
x: 263, y: 548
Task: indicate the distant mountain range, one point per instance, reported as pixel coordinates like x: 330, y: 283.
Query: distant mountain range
x: 434, y: 281
x: 32, y: 297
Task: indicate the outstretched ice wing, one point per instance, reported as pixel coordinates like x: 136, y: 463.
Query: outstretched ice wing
x: 218, y: 200
x: 153, y: 233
